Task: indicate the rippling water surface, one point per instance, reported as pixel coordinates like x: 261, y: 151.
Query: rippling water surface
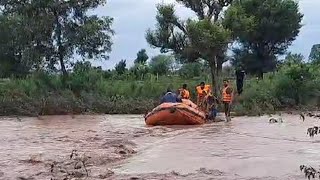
x: 245, y: 148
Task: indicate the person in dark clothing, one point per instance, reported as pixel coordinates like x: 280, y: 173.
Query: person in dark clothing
x: 240, y: 73
x: 211, y: 102
x: 170, y: 97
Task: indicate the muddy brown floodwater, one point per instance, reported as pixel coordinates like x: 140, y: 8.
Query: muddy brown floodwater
x: 122, y: 147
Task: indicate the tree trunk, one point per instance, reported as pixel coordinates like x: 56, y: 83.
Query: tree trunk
x: 260, y: 74
x: 219, y: 66
x: 213, y: 70
x: 262, y: 58
x: 219, y: 76
x: 60, y: 46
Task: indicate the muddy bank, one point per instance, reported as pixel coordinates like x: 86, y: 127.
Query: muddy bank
x: 68, y: 103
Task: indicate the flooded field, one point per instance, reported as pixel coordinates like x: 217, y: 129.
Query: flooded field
x: 122, y: 147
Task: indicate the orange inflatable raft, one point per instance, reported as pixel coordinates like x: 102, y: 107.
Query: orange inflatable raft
x: 175, y: 114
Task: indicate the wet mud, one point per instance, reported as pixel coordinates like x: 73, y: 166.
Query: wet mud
x: 122, y: 147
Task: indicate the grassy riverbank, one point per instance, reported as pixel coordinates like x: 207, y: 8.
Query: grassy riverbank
x: 43, y: 94
x: 291, y: 87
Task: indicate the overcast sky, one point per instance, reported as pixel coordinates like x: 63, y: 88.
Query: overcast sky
x: 133, y: 17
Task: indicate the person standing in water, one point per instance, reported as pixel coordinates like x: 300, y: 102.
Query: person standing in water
x: 211, y: 102
x: 227, y: 98
x: 184, y: 92
x: 202, y: 91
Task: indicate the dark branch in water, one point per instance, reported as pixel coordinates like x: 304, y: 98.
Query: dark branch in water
x: 302, y: 117
x: 84, y: 166
x: 73, y: 153
x: 309, y: 172
x: 76, y: 167
x: 313, y: 115
x: 275, y: 120
x: 313, y: 131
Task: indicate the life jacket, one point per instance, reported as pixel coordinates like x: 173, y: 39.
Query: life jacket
x: 206, y: 89
x: 225, y: 96
x: 185, y: 94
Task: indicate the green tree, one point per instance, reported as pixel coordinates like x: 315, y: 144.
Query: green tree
x: 20, y: 47
x: 140, y: 67
x: 7, y: 62
x: 243, y: 57
x: 85, y: 77
x: 172, y: 33
x: 298, y: 77
x: 81, y: 67
x: 121, y: 67
x: 142, y: 57
x: 315, y: 53
x: 209, y: 39
x: 294, y: 58
x: 190, y: 70
x: 265, y: 29
x: 139, y: 70
x: 289, y: 60
x: 161, y: 64
x: 64, y: 28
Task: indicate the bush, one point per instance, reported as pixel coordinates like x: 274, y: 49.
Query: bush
x: 86, y: 91
x: 89, y: 90
x: 295, y: 85
x: 259, y: 97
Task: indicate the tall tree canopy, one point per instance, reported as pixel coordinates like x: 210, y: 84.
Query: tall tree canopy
x: 190, y: 70
x: 23, y: 43
x: 121, y: 67
x: 140, y: 67
x: 142, y: 57
x: 209, y: 39
x: 265, y: 29
x: 161, y: 64
x: 315, y: 53
x: 173, y: 34
x: 61, y: 29
x: 14, y: 58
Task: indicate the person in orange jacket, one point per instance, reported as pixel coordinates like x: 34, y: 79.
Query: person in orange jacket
x: 184, y: 92
x: 202, y: 91
x: 227, y: 98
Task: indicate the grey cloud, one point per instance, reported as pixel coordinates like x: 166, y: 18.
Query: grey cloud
x: 309, y: 34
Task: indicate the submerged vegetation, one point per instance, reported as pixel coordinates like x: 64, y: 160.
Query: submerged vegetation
x: 309, y: 171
